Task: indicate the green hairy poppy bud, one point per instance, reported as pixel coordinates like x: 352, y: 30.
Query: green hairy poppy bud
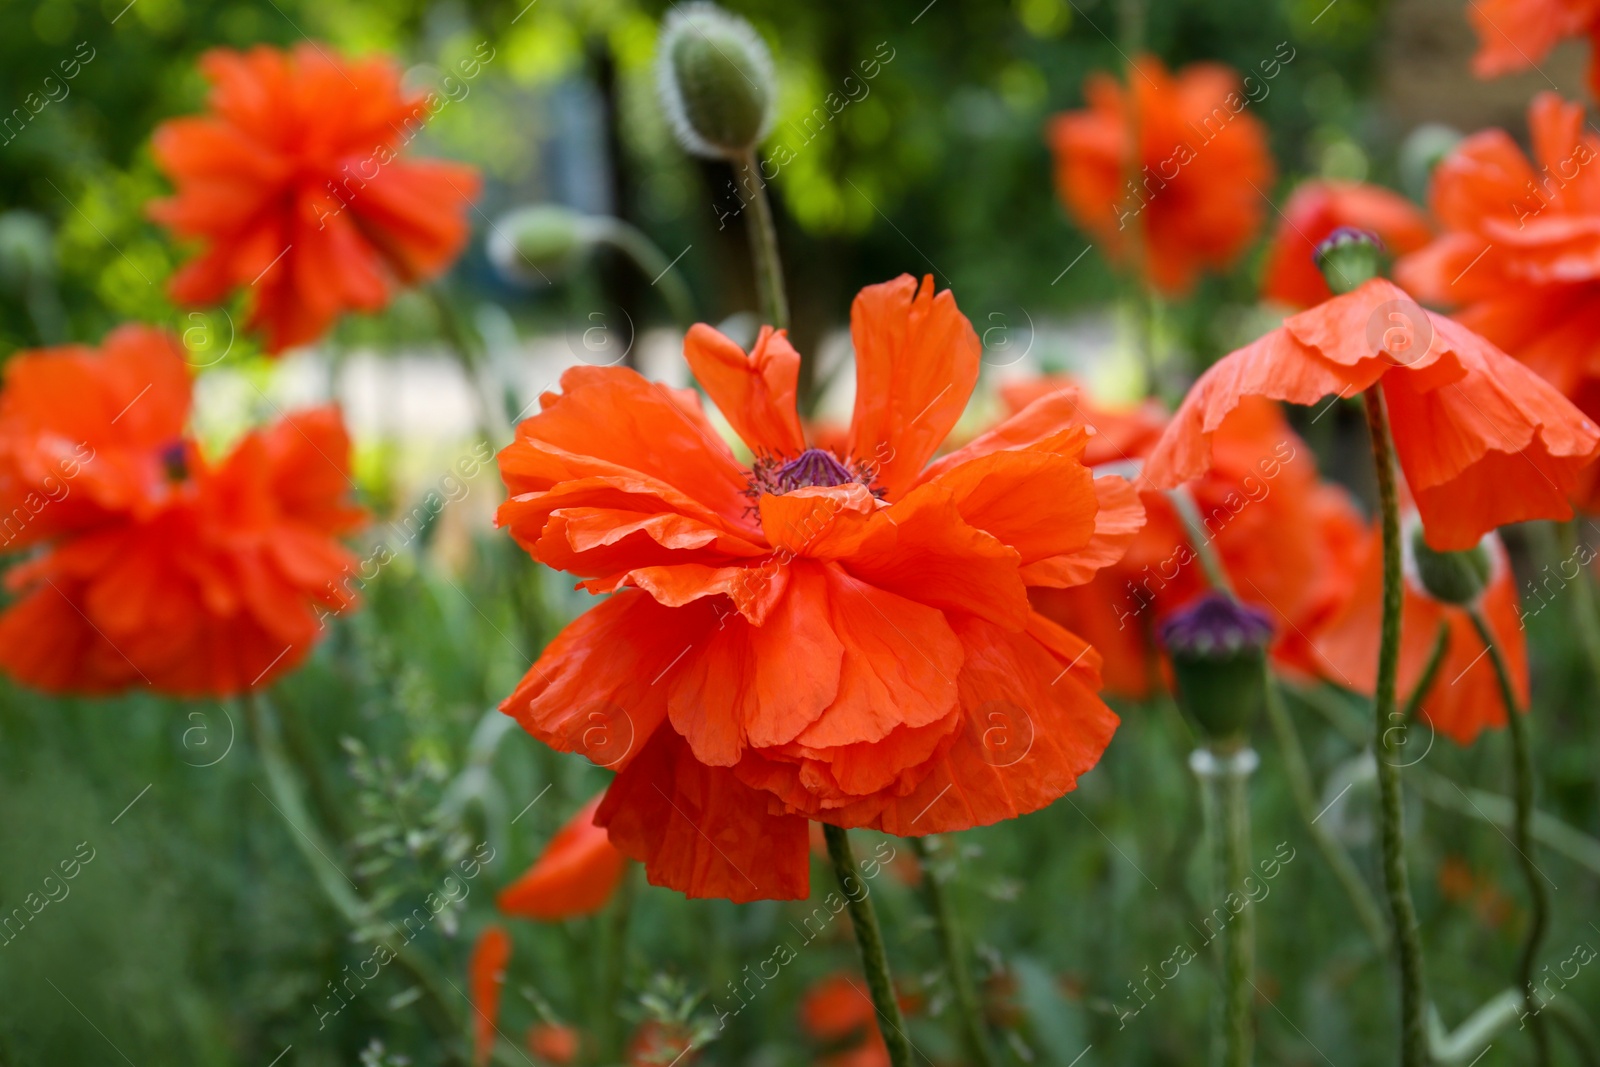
x: 542, y: 242
x: 1347, y: 257
x: 1218, y: 648
x: 1453, y: 577
x: 717, y: 81
x: 27, y: 250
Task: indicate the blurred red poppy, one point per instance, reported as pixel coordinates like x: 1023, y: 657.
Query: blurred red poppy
x: 487, y: 976
x: 158, y: 566
x: 1466, y: 696
x: 815, y: 635
x: 575, y: 875
x: 1285, y: 538
x: 1483, y: 441
x: 294, y: 185
x: 553, y: 1043
x: 1516, y: 255
x: 1169, y: 170
x: 1314, y: 211
x: 661, y: 1044
x: 1515, y: 35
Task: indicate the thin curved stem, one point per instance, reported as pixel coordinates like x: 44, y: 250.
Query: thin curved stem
x: 764, y: 247
x: 653, y: 264
x: 1522, y: 834
x: 869, y: 939
x: 1407, y: 936
x: 1300, y: 784
x: 947, y: 921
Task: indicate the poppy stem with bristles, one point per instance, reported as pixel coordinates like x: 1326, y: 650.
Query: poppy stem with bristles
x: 1391, y: 814
x: 869, y: 939
x: 764, y: 246
x: 947, y: 922
x: 1522, y: 838
x: 1224, y: 775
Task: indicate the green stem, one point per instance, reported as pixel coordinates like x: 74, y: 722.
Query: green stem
x: 1407, y: 936
x: 1225, y: 776
x: 1200, y: 539
x: 1430, y: 674
x: 470, y: 353
x: 1300, y: 784
x: 1522, y: 835
x: 613, y: 965
x: 869, y: 939
x: 1579, y: 1031
x: 947, y: 922
x: 764, y: 247
x: 653, y: 264
x: 1586, y: 613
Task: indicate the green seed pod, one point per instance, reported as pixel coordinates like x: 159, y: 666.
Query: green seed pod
x: 717, y: 81
x: 1453, y: 577
x: 1347, y: 257
x: 1218, y: 648
x: 542, y: 242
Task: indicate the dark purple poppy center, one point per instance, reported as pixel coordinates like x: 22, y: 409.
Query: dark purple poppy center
x: 814, y: 466
x: 175, y: 461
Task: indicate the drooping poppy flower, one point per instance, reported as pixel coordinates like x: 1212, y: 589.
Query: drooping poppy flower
x: 1482, y: 440
x: 1466, y: 696
x: 553, y: 1043
x: 1175, y: 163
x: 817, y: 634
x: 1516, y: 258
x: 159, y: 567
x: 1314, y: 211
x: 1283, y: 536
x: 487, y: 976
x: 1515, y: 35
x: 575, y: 875
x: 294, y: 183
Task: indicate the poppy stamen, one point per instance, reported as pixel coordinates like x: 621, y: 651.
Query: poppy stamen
x: 812, y: 468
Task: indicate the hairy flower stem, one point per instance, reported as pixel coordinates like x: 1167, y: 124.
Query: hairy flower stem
x: 613, y: 960
x: 1300, y: 784
x: 947, y: 921
x: 1522, y: 835
x: 1391, y: 815
x: 1224, y: 775
x: 764, y: 246
x: 869, y: 939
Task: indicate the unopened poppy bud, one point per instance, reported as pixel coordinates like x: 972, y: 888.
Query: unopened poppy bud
x: 1218, y: 648
x: 542, y: 242
x: 27, y: 250
x: 717, y: 81
x: 1347, y: 257
x: 1453, y: 577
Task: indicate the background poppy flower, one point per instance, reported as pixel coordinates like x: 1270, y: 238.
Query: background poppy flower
x: 1516, y: 255
x: 1466, y: 696
x: 1515, y: 35
x: 294, y: 184
x: 837, y: 1011
x: 575, y: 874
x: 1315, y: 210
x: 553, y: 1043
x: 1176, y: 159
x: 204, y: 579
x: 1282, y: 534
x: 1482, y: 440
x: 811, y: 636
x: 486, y: 973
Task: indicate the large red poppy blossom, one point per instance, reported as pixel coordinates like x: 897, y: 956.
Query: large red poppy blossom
x: 1314, y: 211
x: 815, y: 634
x: 575, y: 874
x: 1515, y: 35
x: 1177, y: 162
x: 1284, y: 536
x: 1517, y: 257
x: 159, y: 567
x: 295, y: 185
x: 1482, y: 440
x: 1465, y: 698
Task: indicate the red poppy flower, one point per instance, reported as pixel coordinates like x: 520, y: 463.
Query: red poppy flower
x: 1517, y: 257
x: 294, y: 184
x: 661, y: 1044
x: 1176, y: 159
x: 1515, y: 35
x: 817, y: 634
x: 575, y: 874
x: 1316, y: 209
x: 487, y: 976
x: 553, y: 1043
x: 159, y: 567
x: 1282, y: 534
x: 838, y: 1009
x: 1483, y: 441
x: 1466, y: 696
